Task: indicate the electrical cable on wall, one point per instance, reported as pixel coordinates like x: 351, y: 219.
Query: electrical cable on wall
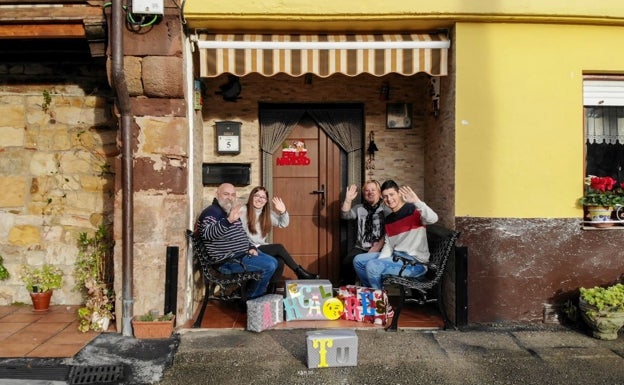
x: 135, y: 21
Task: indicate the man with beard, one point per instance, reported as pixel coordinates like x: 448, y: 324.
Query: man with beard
x: 370, y: 225
x: 221, y: 228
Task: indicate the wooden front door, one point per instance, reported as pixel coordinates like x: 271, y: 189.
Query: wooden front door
x: 307, y: 177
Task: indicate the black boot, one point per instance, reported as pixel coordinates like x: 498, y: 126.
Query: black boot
x: 304, y: 274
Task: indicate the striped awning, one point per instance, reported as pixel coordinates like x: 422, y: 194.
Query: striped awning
x: 323, y: 55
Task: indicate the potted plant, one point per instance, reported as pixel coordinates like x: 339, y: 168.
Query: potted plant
x: 4, y: 273
x: 601, y: 195
x: 97, y: 312
x: 90, y: 275
x: 41, y: 282
x: 602, y: 308
x: 151, y: 325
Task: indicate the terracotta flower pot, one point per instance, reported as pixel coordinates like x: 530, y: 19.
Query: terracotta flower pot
x: 152, y: 329
x: 41, y: 301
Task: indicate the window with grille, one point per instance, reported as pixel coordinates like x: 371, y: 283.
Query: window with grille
x: 603, y: 97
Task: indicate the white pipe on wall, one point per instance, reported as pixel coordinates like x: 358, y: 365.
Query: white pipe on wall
x: 322, y: 45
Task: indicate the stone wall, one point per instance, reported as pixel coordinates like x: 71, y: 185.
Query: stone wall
x: 154, y: 70
x: 56, y: 167
x: 61, y: 162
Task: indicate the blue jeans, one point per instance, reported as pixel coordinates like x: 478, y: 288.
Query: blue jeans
x: 262, y: 262
x: 370, y: 268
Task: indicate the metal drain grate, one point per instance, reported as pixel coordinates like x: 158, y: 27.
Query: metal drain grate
x: 96, y: 374
x: 52, y: 373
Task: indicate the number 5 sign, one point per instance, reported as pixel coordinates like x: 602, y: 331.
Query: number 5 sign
x: 228, y: 137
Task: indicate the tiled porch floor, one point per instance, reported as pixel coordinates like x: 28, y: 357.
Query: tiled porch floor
x: 222, y: 315
x: 55, y: 334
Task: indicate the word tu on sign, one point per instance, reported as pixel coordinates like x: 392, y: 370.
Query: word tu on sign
x: 323, y: 345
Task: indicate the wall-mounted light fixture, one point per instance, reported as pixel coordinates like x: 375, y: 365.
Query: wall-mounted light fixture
x: 435, y: 95
x: 384, y: 91
x: 371, y: 150
x: 230, y: 90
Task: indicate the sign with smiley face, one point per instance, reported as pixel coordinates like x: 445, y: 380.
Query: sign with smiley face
x: 333, y: 308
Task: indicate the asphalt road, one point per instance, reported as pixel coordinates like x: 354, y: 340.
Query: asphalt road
x: 538, y: 354
x: 542, y: 355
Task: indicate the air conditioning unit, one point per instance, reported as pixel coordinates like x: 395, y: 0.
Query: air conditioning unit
x: 148, y: 7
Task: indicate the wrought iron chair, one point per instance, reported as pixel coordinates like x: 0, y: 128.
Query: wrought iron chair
x: 426, y: 289
x: 219, y: 286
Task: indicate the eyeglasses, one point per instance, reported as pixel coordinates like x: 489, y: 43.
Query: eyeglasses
x: 260, y: 196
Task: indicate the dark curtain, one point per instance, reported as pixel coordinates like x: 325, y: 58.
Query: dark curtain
x: 341, y: 123
x: 605, y: 159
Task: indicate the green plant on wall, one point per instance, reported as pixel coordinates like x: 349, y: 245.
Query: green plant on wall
x: 47, y: 100
x: 90, y: 272
x: 4, y: 273
x: 46, y: 104
x: 99, y: 304
x: 93, y: 250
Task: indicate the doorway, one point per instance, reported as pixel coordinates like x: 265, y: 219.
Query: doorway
x: 311, y: 165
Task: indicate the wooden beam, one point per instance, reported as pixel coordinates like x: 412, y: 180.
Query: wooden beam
x: 41, y: 31
x: 22, y: 2
x: 43, y: 14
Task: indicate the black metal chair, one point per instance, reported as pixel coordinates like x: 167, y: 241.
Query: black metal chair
x: 426, y: 289
x: 219, y: 286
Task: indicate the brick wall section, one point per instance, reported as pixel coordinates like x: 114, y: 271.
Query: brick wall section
x: 401, y: 151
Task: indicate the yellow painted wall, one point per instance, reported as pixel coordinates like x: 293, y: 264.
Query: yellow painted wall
x: 609, y: 8
x: 519, y: 115
x: 387, y: 15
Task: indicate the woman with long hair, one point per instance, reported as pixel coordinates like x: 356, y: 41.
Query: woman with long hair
x: 258, y: 218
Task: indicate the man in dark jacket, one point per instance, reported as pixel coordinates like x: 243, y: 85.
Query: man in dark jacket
x: 220, y: 227
x: 370, y: 225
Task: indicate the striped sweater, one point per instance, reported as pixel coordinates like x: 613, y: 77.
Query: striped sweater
x: 405, y: 231
x: 220, y: 236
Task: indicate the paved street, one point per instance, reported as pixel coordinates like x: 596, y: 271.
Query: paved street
x: 537, y: 354
x: 540, y: 355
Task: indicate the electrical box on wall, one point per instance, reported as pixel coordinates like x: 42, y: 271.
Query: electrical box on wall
x: 149, y: 7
